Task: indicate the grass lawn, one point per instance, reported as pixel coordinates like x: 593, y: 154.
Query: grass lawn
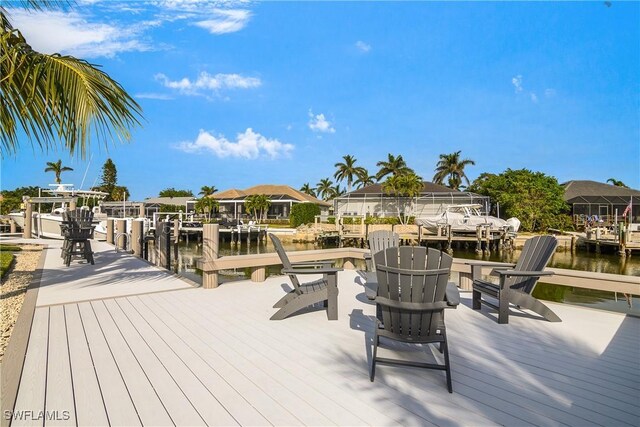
x: 6, y: 259
x: 10, y: 248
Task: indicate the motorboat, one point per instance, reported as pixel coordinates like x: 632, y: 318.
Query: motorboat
x: 47, y: 224
x: 466, y: 218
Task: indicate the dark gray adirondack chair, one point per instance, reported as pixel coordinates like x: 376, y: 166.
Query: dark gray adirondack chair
x: 412, y: 285
x: 306, y: 294
x: 518, y: 281
x: 77, y: 229
x: 378, y: 241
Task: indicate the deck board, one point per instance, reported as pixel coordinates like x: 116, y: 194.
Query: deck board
x: 60, y: 401
x: 89, y: 401
x: 153, y: 350
x: 32, y: 391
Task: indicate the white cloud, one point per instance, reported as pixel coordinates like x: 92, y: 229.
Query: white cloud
x: 248, y: 145
x: 158, y: 96
x: 549, y: 93
x: 517, y: 83
x: 534, y: 97
x: 209, y: 83
x: 71, y: 33
x: 225, y: 21
x: 362, y: 46
x: 318, y: 123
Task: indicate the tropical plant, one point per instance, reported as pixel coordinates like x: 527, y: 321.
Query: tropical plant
x: 12, y: 199
x: 206, y: 190
x: 57, y: 99
x: 119, y: 192
x: 364, y: 179
x: 348, y: 170
x: 405, y: 188
x: 306, y: 188
x: 392, y: 166
x: 337, y: 191
x: 536, y: 199
x: 324, y: 188
x: 617, y: 183
x: 303, y: 213
x: 451, y: 167
x: 172, y: 192
x: 205, y: 205
x: 57, y: 168
x: 258, y: 204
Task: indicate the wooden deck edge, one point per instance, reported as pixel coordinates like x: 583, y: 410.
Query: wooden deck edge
x: 13, y: 360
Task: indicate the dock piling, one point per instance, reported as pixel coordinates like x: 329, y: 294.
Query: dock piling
x: 210, y: 245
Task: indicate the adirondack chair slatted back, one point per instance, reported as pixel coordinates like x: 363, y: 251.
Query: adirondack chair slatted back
x: 285, y: 260
x: 535, y: 255
x: 380, y: 240
x: 412, y: 275
x: 78, y: 223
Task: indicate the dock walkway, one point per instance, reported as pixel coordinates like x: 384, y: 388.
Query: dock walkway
x: 124, y: 343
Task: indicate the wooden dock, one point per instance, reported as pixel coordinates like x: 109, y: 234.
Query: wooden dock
x: 124, y: 343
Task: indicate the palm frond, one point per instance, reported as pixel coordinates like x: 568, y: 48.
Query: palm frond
x: 58, y: 99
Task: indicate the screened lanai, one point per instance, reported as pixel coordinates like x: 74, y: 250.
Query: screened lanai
x: 589, y: 198
x: 374, y: 201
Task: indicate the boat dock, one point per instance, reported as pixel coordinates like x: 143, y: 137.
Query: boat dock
x: 125, y: 343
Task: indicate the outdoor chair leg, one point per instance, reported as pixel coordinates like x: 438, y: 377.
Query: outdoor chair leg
x: 332, y: 297
x: 447, y: 364
x: 503, y: 304
x: 376, y: 342
x: 476, y: 304
x: 527, y: 301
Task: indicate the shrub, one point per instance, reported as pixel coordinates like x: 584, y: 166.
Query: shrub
x: 393, y: 220
x: 303, y: 213
x: 6, y: 258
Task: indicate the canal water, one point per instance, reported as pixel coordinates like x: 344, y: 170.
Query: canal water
x: 581, y: 260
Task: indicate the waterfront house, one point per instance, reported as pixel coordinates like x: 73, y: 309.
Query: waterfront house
x: 590, y: 198
x: 155, y: 204
x: 282, y: 199
x: 374, y: 201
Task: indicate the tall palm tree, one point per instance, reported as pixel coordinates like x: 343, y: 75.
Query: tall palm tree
x: 392, y: 166
x: 337, y: 191
x: 306, y: 188
x: 57, y: 98
x: 617, y: 183
x: 450, y: 166
x: 206, y: 190
x: 347, y: 170
x: 364, y: 179
x: 57, y: 168
x: 404, y: 186
x: 324, y: 188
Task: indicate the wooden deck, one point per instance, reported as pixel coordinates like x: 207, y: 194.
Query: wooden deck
x: 165, y: 353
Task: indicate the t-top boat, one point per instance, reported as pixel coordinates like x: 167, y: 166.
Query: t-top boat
x: 465, y: 218
x: 47, y: 224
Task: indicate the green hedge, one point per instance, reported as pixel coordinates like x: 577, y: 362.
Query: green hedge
x: 303, y: 213
x: 6, y: 258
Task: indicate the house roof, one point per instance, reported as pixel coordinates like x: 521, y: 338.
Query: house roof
x: 168, y: 200
x: 427, y: 188
x: 585, y: 191
x: 274, y: 192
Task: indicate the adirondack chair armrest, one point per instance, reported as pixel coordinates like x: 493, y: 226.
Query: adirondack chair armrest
x: 493, y: 264
x: 311, y: 271
x: 452, y: 295
x: 412, y: 306
x: 522, y: 273
x: 326, y: 263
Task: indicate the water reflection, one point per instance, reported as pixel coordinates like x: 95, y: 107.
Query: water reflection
x: 600, y: 263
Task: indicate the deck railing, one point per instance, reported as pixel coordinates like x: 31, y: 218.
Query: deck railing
x: 211, y: 266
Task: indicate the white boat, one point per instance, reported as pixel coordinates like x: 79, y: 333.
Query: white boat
x: 47, y: 224
x: 466, y: 218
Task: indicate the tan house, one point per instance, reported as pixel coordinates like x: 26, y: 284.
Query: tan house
x: 282, y: 199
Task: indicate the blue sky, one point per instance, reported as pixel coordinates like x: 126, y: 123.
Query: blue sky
x: 238, y: 94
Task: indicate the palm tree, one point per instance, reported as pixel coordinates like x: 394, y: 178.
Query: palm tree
x: 348, y: 170
x: 205, y: 205
x: 336, y: 191
x: 617, y: 183
x: 364, y: 179
x: 306, y: 188
x: 450, y: 166
x: 206, y: 190
x: 324, y: 188
x: 258, y: 204
x: 57, y: 98
x: 406, y: 185
x: 57, y: 168
x: 392, y: 166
